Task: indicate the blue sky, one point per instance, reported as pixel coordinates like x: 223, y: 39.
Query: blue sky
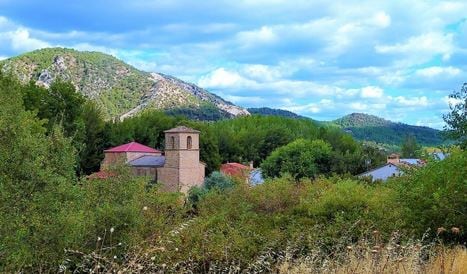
x: 323, y: 59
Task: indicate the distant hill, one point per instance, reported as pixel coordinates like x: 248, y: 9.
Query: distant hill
x: 372, y: 128
x: 120, y: 89
x: 275, y: 112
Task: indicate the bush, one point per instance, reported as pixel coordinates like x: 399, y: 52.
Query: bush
x: 301, y: 158
x: 435, y: 196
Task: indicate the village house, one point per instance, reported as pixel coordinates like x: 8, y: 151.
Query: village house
x: 178, y: 168
x: 394, y: 167
x: 249, y: 174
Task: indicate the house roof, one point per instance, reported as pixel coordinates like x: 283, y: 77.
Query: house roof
x: 148, y: 161
x: 412, y: 161
x: 256, y: 177
x: 235, y: 169
x: 132, y: 147
x: 383, y: 172
x: 182, y: 129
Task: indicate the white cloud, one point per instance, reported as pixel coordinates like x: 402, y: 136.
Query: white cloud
x: 264, y: 35
x: 448, y: 101
x: 21, y: 40
x: 222, y: 78
x: 437, y: 71
x: 371, y: 92
x: 262, y: 72
x: 3, y: 58
x: 412, y: 102
x: 358, y: 106
x: 422, y: 46
x: 381, y: 19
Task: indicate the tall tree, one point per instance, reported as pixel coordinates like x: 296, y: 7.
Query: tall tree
x: 456, y: 120
x: 37, y: 190
x: 410, y: 148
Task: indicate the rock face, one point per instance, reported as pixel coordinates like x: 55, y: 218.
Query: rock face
x: 120, y: 89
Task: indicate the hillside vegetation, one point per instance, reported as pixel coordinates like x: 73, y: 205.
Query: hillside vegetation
x: 118, y: 88
x: 372, y: 128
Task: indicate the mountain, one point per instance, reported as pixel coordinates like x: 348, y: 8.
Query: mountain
x: 120, y: 89
x: 275, y: 112
x: 372, y: 128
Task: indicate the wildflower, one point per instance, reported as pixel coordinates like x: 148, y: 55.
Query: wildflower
x: 115, y: 257
x: 145, y: 208
x: 441, y: 230
x: 176, y: 249
x: 164, y: 265
x: 153, y: 258
x: 99, y: 239
x: 112, y: 230
x: 455, y: 230
x: 375, y: 232
x: 349, y: 247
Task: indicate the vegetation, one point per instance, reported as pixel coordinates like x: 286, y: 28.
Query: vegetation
x: 53, y: 219
x: 410, y: 148
x: 274, y: 112
x: 456, y: 120
x: 371, y: 128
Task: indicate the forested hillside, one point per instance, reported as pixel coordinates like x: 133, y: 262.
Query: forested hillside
x: 372, y: 128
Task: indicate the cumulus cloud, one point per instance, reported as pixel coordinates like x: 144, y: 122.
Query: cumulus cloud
x: 422, y: 47
x: 412, y: 102
x: 438, y: 71
x: 371, y: 92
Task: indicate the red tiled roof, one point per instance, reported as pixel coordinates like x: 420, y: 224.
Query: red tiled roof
x: 235, y: 169
x: 101, y: 175
x: 133, y: 147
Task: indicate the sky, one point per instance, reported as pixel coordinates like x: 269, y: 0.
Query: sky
x: 323, y: 59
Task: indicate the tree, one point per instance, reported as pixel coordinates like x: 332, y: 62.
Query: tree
x: 410, y: 148
x: 301, y: 158
x: 38, y: 190
x: 456, y: 120
x: 91, y: 153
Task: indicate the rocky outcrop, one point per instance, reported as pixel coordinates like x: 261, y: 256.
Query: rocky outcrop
x: 120, y: 89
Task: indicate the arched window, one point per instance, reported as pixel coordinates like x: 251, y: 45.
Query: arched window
x: 188, y: 142
x: 172, y: 142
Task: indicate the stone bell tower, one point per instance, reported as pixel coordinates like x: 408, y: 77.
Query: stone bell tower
x: 182, y: 169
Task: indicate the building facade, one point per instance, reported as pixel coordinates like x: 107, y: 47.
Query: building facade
x: 177, y: 169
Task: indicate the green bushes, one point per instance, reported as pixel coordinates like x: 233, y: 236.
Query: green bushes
x: 301, y: 158
x: 435, y: 196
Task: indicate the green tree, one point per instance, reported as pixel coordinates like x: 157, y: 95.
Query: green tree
x: 456, y: 120
x: 410, y: 148
x: 91, y: 153
x: 301, y: 158
x: 38, y: 193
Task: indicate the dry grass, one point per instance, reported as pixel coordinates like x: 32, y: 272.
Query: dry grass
x: 390, y: 259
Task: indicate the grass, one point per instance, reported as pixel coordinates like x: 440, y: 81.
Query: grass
x: 391, y: 258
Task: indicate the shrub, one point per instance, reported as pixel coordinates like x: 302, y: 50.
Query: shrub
x: 435, y: 196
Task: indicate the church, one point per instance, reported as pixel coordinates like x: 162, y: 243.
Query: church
x: 178, y: 168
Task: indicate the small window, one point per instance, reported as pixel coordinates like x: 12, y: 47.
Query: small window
x: 172, y: 142
x: 188, y: 142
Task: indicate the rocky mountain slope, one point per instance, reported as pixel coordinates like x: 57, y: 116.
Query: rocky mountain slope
x: 120, y: 89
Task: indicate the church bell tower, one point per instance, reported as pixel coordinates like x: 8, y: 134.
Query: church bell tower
x: 182, y: 169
